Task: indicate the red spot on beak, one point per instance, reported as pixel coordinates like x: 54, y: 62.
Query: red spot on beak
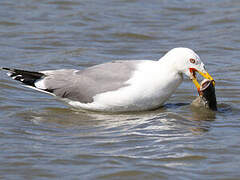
x: 199, y: 92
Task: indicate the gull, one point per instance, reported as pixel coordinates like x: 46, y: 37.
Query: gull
x: 118, y: 86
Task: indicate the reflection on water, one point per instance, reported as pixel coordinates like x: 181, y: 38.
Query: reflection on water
x: 75, y: 116
x: 160, y: 120
x: 201, y: 114
x: 43, y: 139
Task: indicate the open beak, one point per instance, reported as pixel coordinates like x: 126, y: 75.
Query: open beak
x: 206, y: 75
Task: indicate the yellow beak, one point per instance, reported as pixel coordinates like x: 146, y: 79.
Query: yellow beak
x: 205, y: 75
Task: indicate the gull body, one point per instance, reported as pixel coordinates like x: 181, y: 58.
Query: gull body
x: 118, y: 86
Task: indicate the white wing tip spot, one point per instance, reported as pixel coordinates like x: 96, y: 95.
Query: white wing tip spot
x: 40, y: 84
x: 9, y: 73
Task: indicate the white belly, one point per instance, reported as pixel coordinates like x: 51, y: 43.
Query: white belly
x: 144, y: 92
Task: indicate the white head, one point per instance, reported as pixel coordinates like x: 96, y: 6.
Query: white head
x: 187, y: 62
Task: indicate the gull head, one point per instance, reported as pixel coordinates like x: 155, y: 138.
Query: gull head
x: 187, y: 62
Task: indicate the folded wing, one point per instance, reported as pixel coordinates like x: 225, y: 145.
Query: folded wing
x: 78, y: 85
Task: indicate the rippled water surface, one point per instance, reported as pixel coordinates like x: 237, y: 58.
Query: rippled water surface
x: 41, y: 138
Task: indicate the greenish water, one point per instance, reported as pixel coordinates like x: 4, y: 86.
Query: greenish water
x: 41, y: 138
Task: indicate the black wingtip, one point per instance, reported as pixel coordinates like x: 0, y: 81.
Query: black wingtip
x: 4, y: 68
x: 26, y: 77
x: 11, y: 71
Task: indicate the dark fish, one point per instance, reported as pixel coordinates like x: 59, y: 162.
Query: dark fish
x: 207, y: 97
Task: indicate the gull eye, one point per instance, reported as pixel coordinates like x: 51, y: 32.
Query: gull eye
x: 192, y: 61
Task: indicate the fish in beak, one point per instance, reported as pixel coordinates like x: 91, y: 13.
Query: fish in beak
x: 193, y: 77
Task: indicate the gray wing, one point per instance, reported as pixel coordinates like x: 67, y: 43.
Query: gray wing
x: 83, y: 85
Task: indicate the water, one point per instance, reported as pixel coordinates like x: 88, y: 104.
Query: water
x: 41, y: 138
